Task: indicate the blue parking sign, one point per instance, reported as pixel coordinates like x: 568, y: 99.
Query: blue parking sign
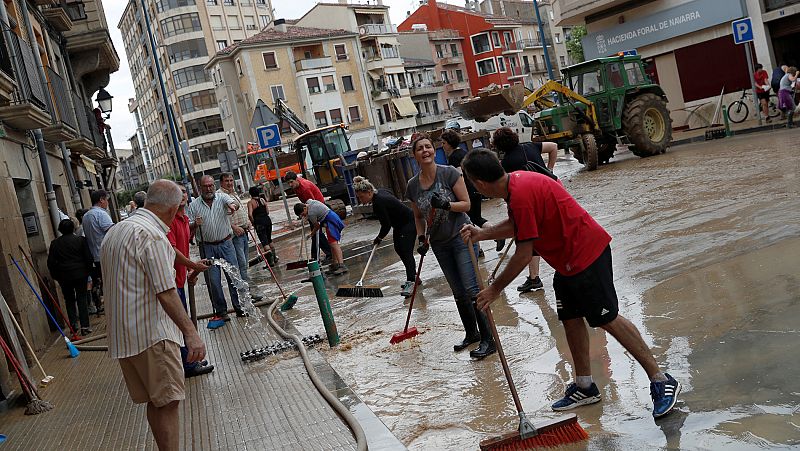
x: 268, y: 136
x: 742, y: 30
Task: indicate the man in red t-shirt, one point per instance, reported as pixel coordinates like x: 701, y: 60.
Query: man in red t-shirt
x: 306, y: 190
x: 178, y: 237
x: 762, y: 90
x: 545, y: 219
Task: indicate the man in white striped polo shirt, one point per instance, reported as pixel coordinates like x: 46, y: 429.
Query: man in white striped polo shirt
x: 147, y: 322
x: 209, y: 217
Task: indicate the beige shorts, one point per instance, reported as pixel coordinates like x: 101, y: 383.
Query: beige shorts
x: 155, y: 375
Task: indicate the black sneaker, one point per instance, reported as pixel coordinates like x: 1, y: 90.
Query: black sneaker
x: 241, y: 314
x: 531, y: 285
x: 500, y: 245
x: 576, y: 397
x: 198, y: 370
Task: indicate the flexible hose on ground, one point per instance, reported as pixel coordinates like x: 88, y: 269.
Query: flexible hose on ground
x: 344, y: 412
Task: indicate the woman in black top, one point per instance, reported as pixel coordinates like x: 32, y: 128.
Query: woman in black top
x: 392, y: 214
x: 258, y: 211
x: 70, y: 264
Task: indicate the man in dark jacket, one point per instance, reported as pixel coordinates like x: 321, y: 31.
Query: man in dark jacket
x: 70, y: 263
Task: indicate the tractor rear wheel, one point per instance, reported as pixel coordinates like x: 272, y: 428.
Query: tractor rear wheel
x: 589, y: 151
x: 647, y: 124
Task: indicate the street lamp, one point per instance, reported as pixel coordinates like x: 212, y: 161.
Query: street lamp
x: 104, y: 101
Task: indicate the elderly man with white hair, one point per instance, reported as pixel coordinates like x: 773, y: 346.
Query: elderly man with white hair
x: 147, y: 322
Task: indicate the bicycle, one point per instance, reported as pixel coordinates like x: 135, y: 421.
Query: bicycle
x: 738, y: 110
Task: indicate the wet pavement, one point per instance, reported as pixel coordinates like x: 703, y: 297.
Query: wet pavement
x: 706, y: 245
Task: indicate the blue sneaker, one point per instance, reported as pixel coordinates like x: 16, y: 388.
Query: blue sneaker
x: 576, y: 397
x: 664, y: 395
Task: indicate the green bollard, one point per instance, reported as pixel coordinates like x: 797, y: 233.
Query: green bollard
x: 317, y: 281
x: 727, y: 123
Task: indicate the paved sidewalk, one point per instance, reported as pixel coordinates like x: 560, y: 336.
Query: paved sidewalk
x: 270, y: 404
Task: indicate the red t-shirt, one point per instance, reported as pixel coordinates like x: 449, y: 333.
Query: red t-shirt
x: 307, y: 190
x: 566, y: 236
x: 178, y: 237
x: 762, y: 78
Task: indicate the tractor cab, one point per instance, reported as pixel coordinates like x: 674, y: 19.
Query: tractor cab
x: 321, y: 153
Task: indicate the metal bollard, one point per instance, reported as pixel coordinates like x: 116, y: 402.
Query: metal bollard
x: 315, y: 274
x: 727, y: 123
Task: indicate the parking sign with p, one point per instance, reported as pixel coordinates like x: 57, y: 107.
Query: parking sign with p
x: 742, y: 30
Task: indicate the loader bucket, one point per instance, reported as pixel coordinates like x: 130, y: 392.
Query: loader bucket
x: 492, y: 101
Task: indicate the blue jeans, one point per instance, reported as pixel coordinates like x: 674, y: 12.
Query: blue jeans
x: 240, y: 244
x: 185, y: 352
x: 454, y: 259
x: 225, y: 251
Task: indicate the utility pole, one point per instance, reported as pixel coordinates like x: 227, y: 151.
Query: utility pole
x: 549, y: 66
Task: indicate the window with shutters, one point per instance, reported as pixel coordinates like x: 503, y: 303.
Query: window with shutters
x: 347, y: 83
x: 320, y: 119
x: 277, y: 93
x: 313, y: 85
x: 327, y: 80
x: 336, y: 116
x: 354, y: 113
x: 341, y: 52
x: 269, y: 60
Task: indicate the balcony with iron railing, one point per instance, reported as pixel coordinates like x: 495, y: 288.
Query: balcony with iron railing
x: 28, y: 105
x: 448, y: 58
x: 511, y: 47
x: 84, y: 142
x: 515, y: 72
x: 430, y: 118
x: 420, y: 89
x: 529, y: 43
x: 371, y: 29
x: 65, y: 125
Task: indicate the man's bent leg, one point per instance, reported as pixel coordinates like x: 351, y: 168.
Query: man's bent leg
x: 240, y: 246
x: 628, y: 336
x: 164, y: 425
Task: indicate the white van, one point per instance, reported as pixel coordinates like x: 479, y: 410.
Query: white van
x: 522, y: 123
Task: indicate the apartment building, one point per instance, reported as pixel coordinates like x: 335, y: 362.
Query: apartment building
x: 316, y: 72
x: 378, y: 55
x: 437, y: 74
x: 681, y: 41
x: 41, y: 179
x: 491, y: 52
x: 141, y: 153
x: 187, y: 34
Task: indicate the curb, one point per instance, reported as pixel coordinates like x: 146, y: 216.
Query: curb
x: 744, y: 131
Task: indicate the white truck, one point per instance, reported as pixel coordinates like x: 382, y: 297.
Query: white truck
x: 522, y: 123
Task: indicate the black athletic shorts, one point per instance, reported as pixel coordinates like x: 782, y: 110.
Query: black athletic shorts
x: 589, y: 294
x: 763, y: 95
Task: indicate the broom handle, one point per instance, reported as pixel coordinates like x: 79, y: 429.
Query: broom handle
x: 497, y: 342
x: 26, y: 384
x: 369, y: 260
x: 53, y: 298
x: 36, y: 293
x: 431, y: 215
x: 260, y: 252
x: 25, y: 339
x: 303, y: 252
x: 502, y: 257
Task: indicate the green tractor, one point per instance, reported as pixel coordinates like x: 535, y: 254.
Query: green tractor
x: 601, y: 103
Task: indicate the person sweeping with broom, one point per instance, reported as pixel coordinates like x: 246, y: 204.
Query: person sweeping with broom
x: 392, y: 214
x: 318, y: 215
x: 442, y: 189
x: 544, y: 218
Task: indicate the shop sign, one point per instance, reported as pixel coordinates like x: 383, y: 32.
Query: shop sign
x: 669, y: 23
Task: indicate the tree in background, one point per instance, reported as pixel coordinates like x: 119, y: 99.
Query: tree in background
x: 574, y: 47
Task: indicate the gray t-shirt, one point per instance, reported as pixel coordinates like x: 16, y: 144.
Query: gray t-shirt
x: 786, y: 83
x: 316, y: 211
x: 446, y: 224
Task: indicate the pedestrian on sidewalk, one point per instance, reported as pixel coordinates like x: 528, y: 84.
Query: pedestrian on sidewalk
x: 786, y: 95
x: 440, y: 190
x: 319, y: 215
x: 178, y: 237
x: 258, y: 213
x: 392, y: 214
x: 240, y: 224
x: 545, y: 219
x: 208, y: 219
x: 96, y: 223
x: 70, y: 263
x: 306, y: 190
x: 515, y: 157
x: 762, y: 90
x: 139, y: 198
x: 146, y: 318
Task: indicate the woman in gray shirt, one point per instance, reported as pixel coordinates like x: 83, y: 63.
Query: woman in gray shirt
x: 441, y: 191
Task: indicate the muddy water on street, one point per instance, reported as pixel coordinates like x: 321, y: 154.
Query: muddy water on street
x: 706, y: 258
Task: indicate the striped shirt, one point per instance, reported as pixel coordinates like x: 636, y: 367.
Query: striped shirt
x: 137, y: 265
x: 239, y: 217
x: 216, y: 224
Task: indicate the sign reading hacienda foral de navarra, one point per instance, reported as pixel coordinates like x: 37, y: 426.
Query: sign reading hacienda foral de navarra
x: 669, y: 23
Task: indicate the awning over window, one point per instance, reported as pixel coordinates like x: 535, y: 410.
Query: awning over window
x: 405, y: 106
x: 375, y: 74
x: 88, y: 163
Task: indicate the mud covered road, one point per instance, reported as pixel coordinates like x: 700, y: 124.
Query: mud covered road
x: 706, y: 249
